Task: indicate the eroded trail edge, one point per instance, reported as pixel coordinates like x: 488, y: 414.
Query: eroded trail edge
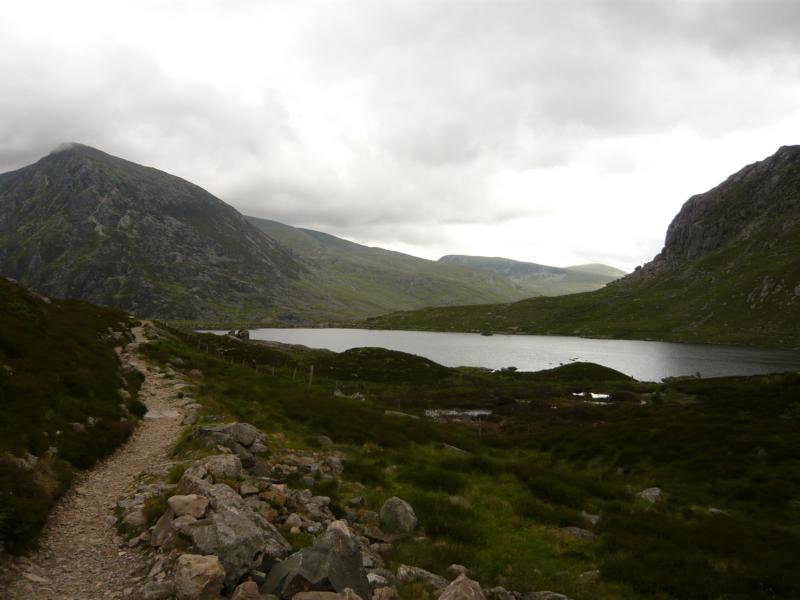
x: 81, y: 553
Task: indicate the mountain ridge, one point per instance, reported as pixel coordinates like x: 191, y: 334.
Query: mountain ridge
x: 537, y: 279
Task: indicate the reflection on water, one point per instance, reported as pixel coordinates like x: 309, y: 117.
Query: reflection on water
x: 646, y: 361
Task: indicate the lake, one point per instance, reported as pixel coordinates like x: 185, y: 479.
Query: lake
x: 646, y: 361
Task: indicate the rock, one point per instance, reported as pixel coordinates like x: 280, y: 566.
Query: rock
x: 546, y: 595
x: 356, y: 502
x: 408, y: 574
x: 157, y: 590
x: 348, y: 594
x: 324, y: 441
x: 242, y: 541
x: 501, y: 593
x: 181, y: 522
x: 577, y: 533
x: 652, y: 494
x: 307, y: 481
x: 593, y: 519
x: 456, y: 570
x: 385, y: 593
x: 333, y: 564
x: 163, y: 533
x: 135, y: 519
x: 377, y: 580
x: 247, y: 489
x: 222, y: 497
x: 589, y: 576
x: 246, y: 591
x: 193, y: 504
x: 224, y: 466
x: 340, y: 525
x: 463, y: 588
x: 294, y: 520
x: 198, y: 577
x: 397, y: 516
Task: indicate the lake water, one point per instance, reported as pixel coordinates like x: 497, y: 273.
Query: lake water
x: 646, y: 361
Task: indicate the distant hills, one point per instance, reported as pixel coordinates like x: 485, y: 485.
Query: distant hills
x: 82, y: 224
x: 541, y: 280
x: 729, y: 272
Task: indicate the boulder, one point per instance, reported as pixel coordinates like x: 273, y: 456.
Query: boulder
x: 222, y: 497
x: 224, y: 466
x: 463, y: 588
x: 246, y: 591
x: 652, y: 495
x: 397, y: 516
x: 546, y: 595
x: 433, y: 582
x: 192, y: 504
x: 157, y: 590
x: 163, y: 533
x: 332, y: 564
x: 501, y: 593
x: 456, y: 570
x: 198, y: 577
x: 135, y: 519
x: 242, y: 541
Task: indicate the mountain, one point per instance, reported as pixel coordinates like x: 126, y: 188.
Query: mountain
x: 83, y: 224
x: 345, y: 280
x: 541, y: 280
x: 598, y: 269
x: 729, y: 273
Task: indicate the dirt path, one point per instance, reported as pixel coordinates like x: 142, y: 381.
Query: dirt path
x: 81, y: 554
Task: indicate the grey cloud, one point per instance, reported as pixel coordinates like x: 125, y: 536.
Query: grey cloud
x: 453, y: 94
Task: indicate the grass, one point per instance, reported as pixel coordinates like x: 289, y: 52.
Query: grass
x: 498, y: 504
x: 58, y: 368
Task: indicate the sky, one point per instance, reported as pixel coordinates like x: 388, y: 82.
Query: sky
x: 560, y: 132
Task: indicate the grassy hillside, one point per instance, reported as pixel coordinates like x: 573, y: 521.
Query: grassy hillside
x: 541, y: 280
x: 60, y: 401
x: 737, y: 296
x: 346, y: 280
x: 500, y: 494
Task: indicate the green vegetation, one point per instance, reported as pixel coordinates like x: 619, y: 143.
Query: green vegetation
x: 348, y: 281
x: 678, y: 305
x: 541, y: 280
x: 60, y: 383
x: 495, y: 495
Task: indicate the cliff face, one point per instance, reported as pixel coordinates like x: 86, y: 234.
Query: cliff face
x: 757, y: 207
x: 82, y: 224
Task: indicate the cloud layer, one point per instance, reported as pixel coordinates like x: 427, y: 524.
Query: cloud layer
x: 558, y: 132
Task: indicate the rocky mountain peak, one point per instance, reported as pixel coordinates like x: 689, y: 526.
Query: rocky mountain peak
x: 81, y: 223
x: 759, y: 204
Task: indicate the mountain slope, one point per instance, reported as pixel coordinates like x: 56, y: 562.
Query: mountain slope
x: 82, y: 224
x: 61, y: 399
x: 345, y: 280
x: 540, y: 280
x: 729, y: 272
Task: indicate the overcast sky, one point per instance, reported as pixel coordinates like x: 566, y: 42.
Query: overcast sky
x: 559, y: 132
